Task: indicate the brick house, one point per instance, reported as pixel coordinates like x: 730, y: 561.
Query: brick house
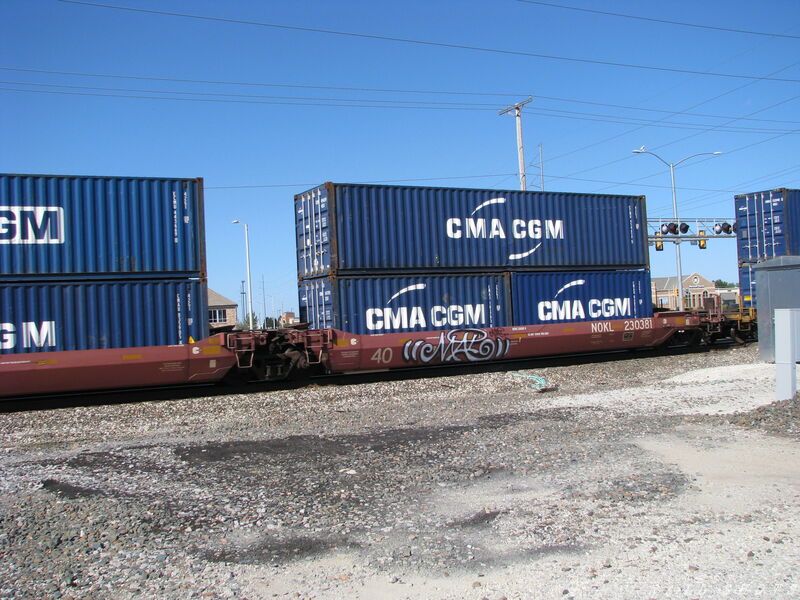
x: 221, y: 312
x: 696, y: 289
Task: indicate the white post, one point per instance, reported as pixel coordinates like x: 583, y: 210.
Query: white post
x: 249, y: 281
x: 517, y: 108
x: 678, y: 264
x: 787, y: 352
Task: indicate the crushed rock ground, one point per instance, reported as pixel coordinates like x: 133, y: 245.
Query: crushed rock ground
x: 639, y: 476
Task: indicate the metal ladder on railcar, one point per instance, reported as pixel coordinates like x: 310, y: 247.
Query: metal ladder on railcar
x: 317, y: 341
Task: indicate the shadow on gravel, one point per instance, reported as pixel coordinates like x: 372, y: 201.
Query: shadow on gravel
x: 66, y: 490
x: 479, y: 519
x: 389, y: 440
x: 270, y: 550
x: 118, y: 462
x: 294, y: 444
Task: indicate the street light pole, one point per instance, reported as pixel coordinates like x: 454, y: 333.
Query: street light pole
x: 678, y: 264
x: 249, y: 282
x: 517, y: 108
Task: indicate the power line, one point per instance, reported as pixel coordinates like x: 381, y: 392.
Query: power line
x: 628, y: 157
x: 257, y: 84
x: 239, y: 101
x: 376, y: 90
x: 702, y: 160
x: 666, y: 21
x: 450, y: 178
x: 211, y: 97
x: 249, y: 96
x: 371, y: 36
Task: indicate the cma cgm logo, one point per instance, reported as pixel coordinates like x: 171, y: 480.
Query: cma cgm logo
x: 568, y: 310
x: 518, y: 229
x: 31, y: 225
x: 406, y: 317
x: 32, y: 334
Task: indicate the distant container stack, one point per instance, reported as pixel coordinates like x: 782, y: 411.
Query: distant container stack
x: 100, y: 262
x: 387, y: 259
x: 767, y: 226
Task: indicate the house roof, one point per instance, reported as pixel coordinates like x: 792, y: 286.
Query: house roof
x: 670, y: 283
x: 215, y: 299
x: 665, y: 283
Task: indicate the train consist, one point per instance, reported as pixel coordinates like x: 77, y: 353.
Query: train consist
x: 102, y: 283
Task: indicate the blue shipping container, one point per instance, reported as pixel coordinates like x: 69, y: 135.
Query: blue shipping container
x: 56, y: 225
x: 52, y: 316
x: 416, y: 303
x: 747, y: 285
x: 361, y: 229
x: 541, y: 298
x: 767, y: 224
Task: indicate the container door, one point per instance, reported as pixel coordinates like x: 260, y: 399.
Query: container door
x: 316, y: 303
x: 313, y: 237
x: 761, y: 226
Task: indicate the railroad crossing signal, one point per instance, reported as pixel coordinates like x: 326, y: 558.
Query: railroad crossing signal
x: 696, y: 231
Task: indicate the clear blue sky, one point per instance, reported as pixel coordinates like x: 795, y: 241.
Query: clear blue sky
x: 289, y: 128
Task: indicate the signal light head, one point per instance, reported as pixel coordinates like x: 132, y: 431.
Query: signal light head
x: 683, y: 228
x: 664, y: 229
x: 726, y: 227
x: 717, y: 228
x: 672, y: 228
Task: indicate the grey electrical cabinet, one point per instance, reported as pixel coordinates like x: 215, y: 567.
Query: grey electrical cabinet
x: 778, y: 285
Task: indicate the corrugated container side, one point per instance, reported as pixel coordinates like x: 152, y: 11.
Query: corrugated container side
x: 365, y: 305
x: 90, y: 315
x: 747, y: 285
x: 541, y: 298
x: 113, y: 227
x: 351, y: 228
x: 768, y: 225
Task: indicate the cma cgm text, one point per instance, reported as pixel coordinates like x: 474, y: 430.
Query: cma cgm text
x: 520, y: 229
x: 31, y: 225
x: 407, y: 317
x: 568, y: 310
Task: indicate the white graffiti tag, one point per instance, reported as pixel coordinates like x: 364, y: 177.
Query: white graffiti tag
x: 458, y: 345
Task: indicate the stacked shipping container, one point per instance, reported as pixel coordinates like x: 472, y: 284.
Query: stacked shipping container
x: 381, y: 259
x: 100, y: 262
x: 767, y: 226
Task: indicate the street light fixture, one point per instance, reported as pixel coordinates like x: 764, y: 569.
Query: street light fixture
x: 249, y: 282
x: 672, y: 166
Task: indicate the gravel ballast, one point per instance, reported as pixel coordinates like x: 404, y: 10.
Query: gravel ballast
x: 646, y: 476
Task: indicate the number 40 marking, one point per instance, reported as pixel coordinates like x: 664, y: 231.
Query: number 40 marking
x: 382, y: 355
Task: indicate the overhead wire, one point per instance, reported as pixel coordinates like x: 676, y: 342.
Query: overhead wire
x: 136, y: 93
x: 372, y: 36
x: 768, y: 78
x: 624, y: 133
x: 664, y: 21
x: 376, y: 90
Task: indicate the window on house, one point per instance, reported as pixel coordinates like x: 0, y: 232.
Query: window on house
x: 217, y: 315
